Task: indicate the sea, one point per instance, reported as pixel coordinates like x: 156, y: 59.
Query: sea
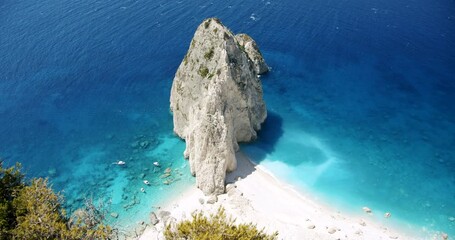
x: 360, y: 99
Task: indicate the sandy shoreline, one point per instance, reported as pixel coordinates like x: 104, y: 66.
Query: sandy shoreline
x: 262, y: 199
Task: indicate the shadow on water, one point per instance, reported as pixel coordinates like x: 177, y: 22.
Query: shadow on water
x: 268, y: 136
x: 257, y: 151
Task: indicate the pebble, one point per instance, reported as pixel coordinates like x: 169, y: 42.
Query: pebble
x: 114, y: 214
x: 311, y: 226
x: 230, y: 186
x: 212, y: 199
x: 331, y: 230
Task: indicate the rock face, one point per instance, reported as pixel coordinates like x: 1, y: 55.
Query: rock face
x: 216, y: 100
x: 252, y: 49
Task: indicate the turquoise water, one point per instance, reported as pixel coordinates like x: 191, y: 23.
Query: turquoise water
x: 360, y: 99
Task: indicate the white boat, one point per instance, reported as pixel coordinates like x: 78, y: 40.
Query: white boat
x: 120, y: 162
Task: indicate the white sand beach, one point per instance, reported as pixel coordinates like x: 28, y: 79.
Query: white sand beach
x: 262, y: 199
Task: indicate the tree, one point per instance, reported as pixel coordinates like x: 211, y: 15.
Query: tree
x: 39, y: 213
x: 216, y: 227
x: 11, y: 182
x: 35, y: 211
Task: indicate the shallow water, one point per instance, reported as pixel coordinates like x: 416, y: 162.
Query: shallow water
x: 360, y: 99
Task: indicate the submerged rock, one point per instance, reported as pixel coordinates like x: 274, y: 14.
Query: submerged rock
x: 216, y: 100
x: 52, y: 172
x: 367, y: 209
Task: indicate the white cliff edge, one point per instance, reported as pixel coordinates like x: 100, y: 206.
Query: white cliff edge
x: 216, y: 101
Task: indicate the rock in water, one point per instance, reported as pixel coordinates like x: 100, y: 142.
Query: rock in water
x: 153, y: 218
x: 216, y: 100
x: 252, y: 49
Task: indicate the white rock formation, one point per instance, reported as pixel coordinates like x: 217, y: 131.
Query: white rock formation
x: 216, y: 100
x: 252, y: 49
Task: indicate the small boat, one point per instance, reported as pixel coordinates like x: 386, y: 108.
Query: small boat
x: 146, y: 182
x: 157, y: 164
x: 142, y: 190
x: 119, y: 162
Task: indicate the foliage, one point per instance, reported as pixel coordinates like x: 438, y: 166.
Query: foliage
x: 39, y: 214
x: 203, y: 71
x: 34, y: 211
x: 208, y: 55
x: 11, y: 182
x: 215, y: 227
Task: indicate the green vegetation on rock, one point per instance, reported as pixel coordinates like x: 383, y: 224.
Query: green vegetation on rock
x: 208, y: 55
x: 216, y: 227
x: 203, y: 71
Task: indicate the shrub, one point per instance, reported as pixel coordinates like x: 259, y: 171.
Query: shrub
x: 203, y: 71
x: 11, y: 182
x: 208, y: 55
x: 39, y: 213
x: 215, y: 227
x: 35, y: 211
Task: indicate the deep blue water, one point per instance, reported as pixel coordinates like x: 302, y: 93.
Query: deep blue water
x: 361, y: 98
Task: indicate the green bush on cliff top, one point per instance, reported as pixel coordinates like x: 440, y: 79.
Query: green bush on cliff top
x: 216, y: 227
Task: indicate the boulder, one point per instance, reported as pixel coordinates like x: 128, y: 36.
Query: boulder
x: 153, y: 218
x: 331, y: 230
x: 230, y: 187
x: 163, y: 216
x: 311, y: 226
x: 212, y: 199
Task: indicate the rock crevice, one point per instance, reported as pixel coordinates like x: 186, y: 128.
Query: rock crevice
x: 216, y: 101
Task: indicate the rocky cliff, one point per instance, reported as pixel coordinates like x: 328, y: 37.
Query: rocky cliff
x: 252, y: 49
x: 216, y: 101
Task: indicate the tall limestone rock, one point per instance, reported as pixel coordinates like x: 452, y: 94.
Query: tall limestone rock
x: 252, y: 49
x: 216, y: 100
